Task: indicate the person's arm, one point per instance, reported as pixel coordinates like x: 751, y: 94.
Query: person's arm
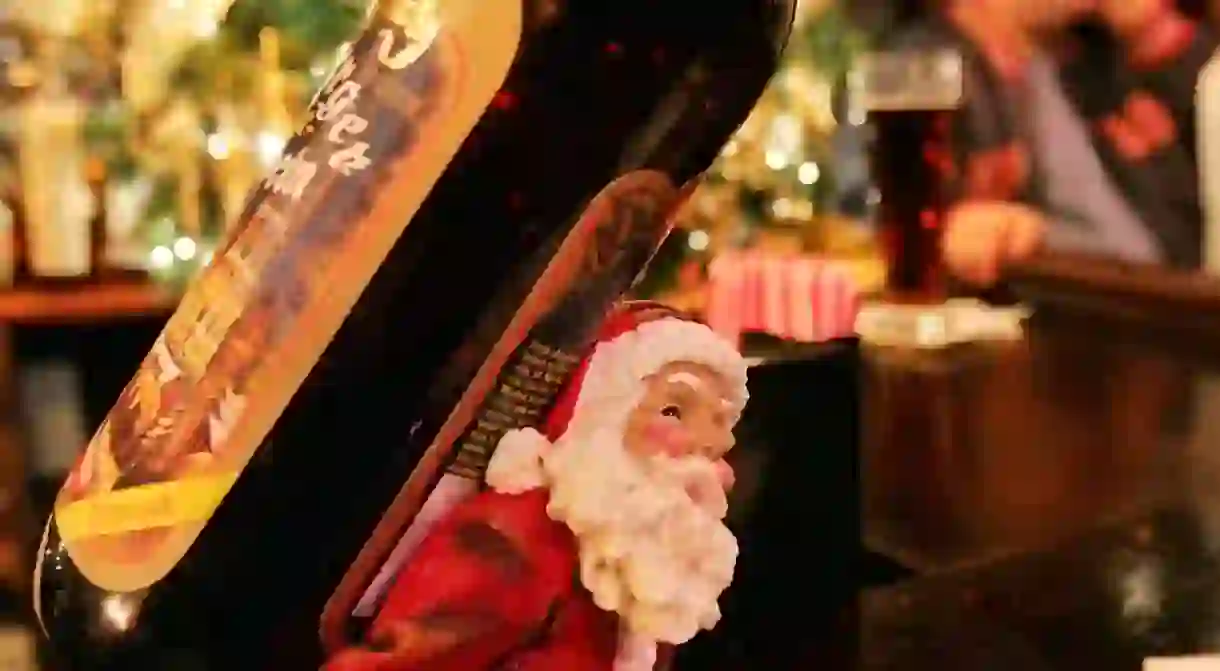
x: 984, y: 236
x: 1066, y: 235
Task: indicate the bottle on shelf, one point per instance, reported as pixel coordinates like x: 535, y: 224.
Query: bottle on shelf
x: 95, y: 176
x: 15, y: 262
x: 479, y: 181
x: 54, y: 184
x: 19, y: 235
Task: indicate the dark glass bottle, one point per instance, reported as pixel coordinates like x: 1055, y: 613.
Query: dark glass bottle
x: 21, y: 257
x: 95, y: 175
x: 479, y: 182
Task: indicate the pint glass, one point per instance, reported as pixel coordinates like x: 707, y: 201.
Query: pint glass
x: 910, y: 98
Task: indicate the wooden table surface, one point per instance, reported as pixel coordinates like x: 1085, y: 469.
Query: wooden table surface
x: 1059, y: 497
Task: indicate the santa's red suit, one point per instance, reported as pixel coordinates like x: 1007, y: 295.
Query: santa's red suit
x: 497, y: 583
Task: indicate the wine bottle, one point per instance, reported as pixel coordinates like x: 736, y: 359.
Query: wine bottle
x: 52, y: 167
x: 20, y: 257
x: 96, y: 177
x: 478, y: 181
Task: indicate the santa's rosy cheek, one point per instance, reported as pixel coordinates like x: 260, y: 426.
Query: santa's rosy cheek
x: 724, y: 472
x: 668, y: 436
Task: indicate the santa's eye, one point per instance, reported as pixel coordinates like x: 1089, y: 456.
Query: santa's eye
x: 671, y: 411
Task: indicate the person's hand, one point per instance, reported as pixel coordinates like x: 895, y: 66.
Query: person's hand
x: 1129, y: 18
x: 980, y: 238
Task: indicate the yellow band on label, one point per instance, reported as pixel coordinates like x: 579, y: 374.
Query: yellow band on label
x: 144, y: 507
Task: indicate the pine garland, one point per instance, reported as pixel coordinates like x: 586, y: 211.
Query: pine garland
x: 822, y: 49
x: 224, y: 69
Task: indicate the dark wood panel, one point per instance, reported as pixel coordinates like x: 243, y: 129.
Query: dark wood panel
x: 104, y: 332
x: 795, y: 510
x: 1104, y: 600
x: 1061, y: 493
x: 979, y: 452
x: 16, y: 522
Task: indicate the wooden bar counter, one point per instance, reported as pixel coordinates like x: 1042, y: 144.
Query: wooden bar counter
x: 1057, y: 498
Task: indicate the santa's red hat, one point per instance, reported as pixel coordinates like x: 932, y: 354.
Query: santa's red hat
x: 636, y: 341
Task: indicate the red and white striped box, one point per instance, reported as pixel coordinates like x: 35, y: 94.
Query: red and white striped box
x: 796, y: 297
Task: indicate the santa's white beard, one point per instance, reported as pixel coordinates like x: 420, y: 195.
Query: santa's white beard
x: 648, y: 551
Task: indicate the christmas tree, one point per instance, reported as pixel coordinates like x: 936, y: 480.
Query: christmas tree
x: 254, y: 79
x: 192, y: 133
x: 219, y: 119
x: 777, y: 177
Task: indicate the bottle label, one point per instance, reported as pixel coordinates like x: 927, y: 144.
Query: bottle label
x: 530, y: 363
x: 259, y: 316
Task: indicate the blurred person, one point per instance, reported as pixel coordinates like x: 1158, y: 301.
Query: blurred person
x: 1077, y: 130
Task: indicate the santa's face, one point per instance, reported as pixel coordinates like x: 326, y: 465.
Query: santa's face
x: 647, y: 502
x: 684, y: 412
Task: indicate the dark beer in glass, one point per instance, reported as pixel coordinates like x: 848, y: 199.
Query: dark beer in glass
x: 910, y: 98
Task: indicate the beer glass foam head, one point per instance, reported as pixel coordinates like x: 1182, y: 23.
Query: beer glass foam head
x: 910, y: 80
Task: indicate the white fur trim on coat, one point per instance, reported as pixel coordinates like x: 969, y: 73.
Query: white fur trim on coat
x: 617, y: 367
x: 516, y: 465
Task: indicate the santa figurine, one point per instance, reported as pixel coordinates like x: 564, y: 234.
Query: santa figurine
x: 599, y: 540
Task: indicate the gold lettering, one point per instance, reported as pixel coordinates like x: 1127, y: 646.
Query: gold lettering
x: 347, y: 125
x: 350, y: 159
x: 339, y: 102
x: 417, y: 44
x: 341, y: 74
x: 293, y: 176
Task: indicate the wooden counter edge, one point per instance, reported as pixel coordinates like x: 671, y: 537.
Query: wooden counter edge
x: 1169, y: 305
x: 1051, y: 275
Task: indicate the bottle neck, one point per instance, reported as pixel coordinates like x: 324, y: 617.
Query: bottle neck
x: 95, y: 174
